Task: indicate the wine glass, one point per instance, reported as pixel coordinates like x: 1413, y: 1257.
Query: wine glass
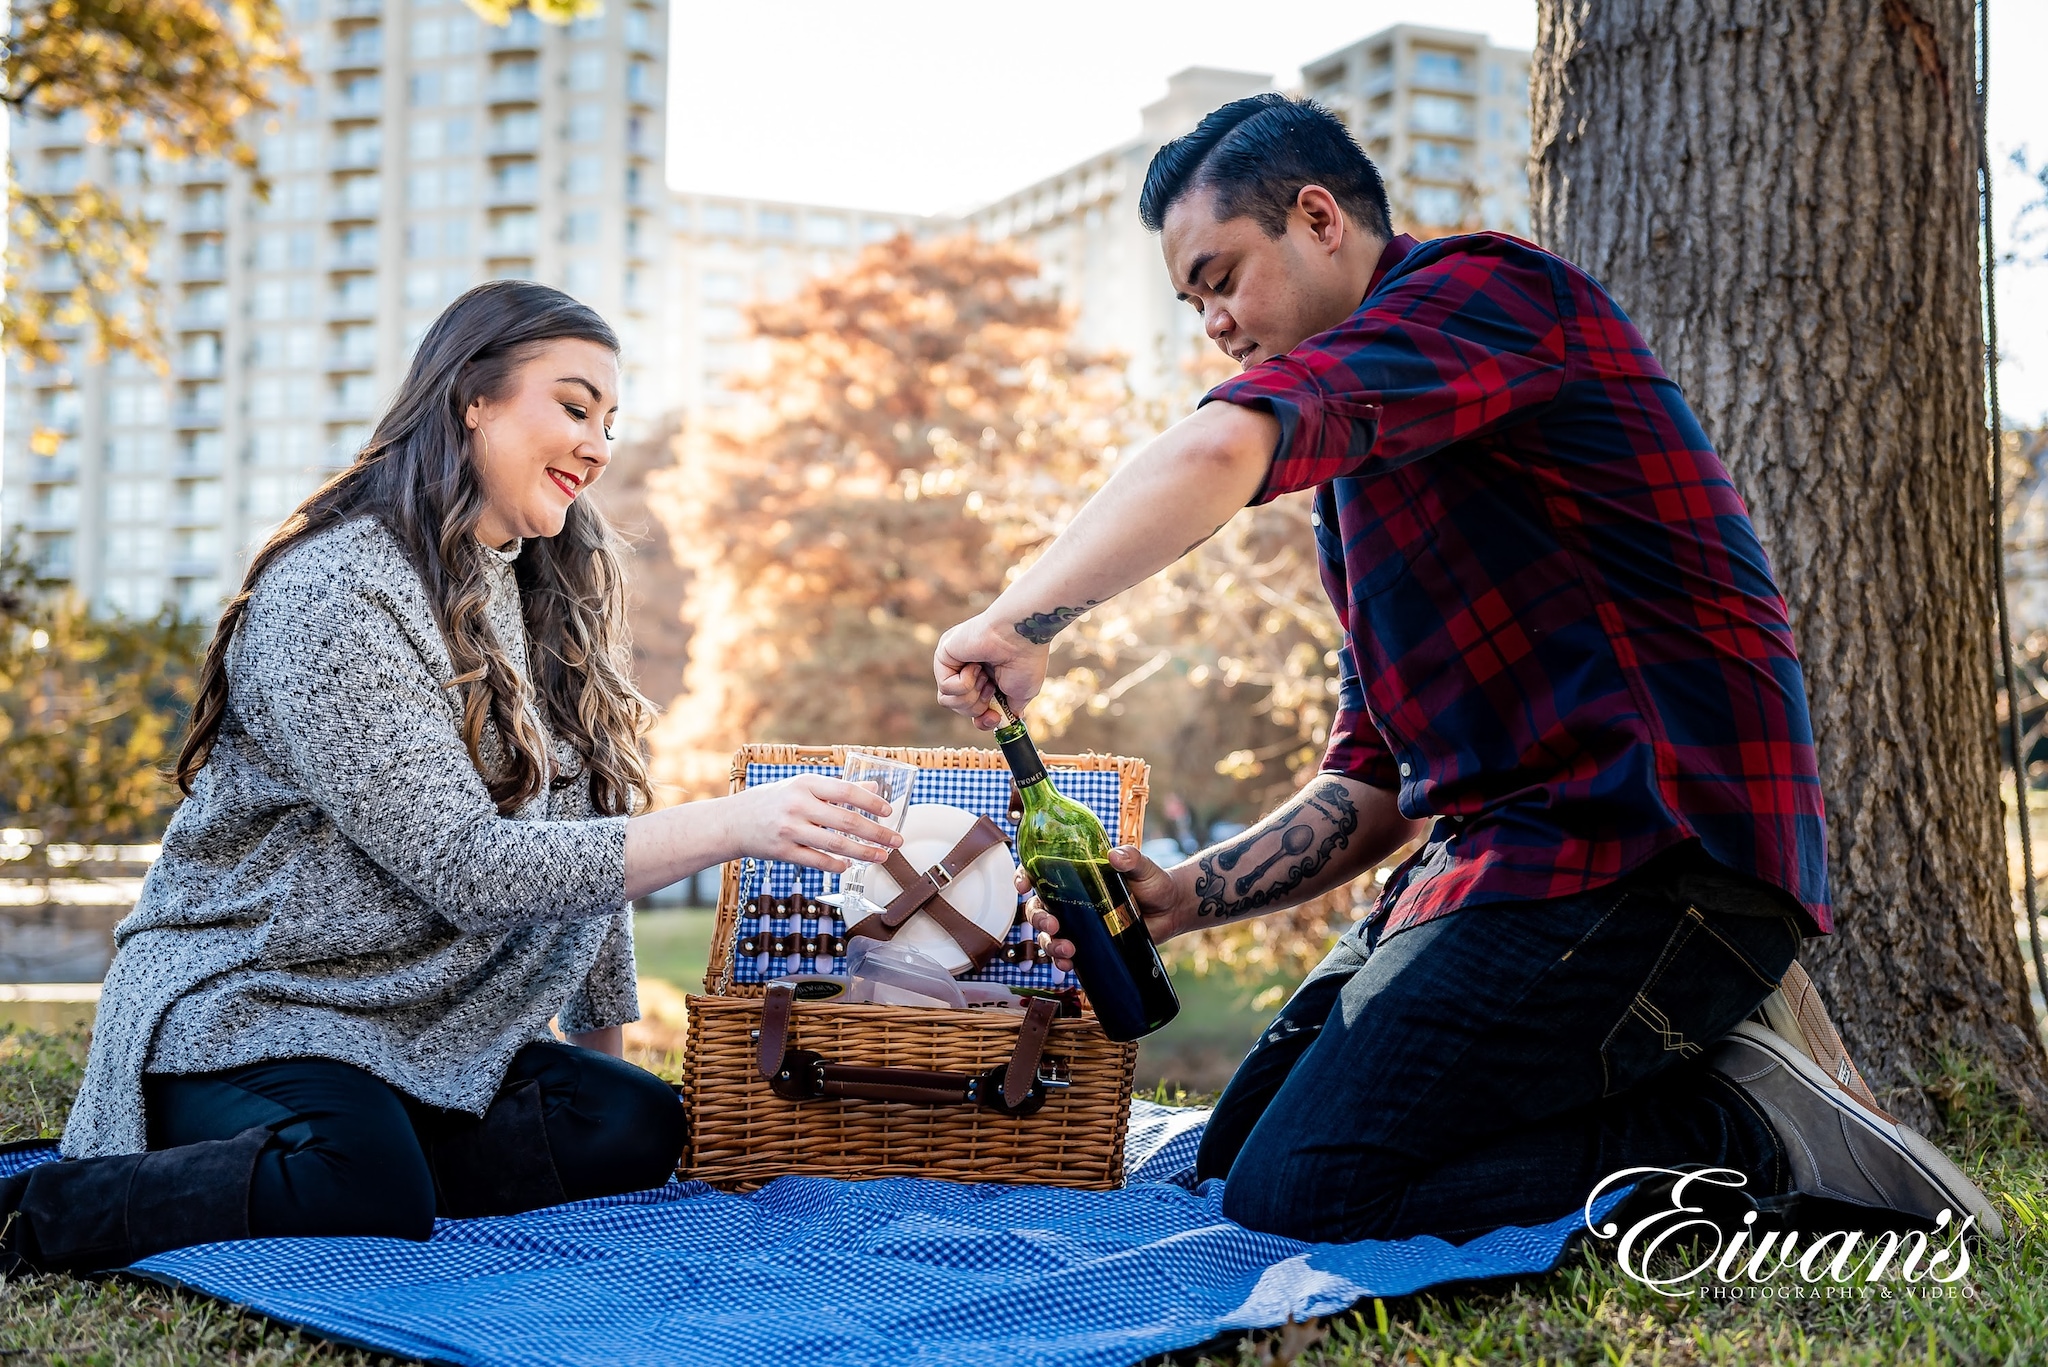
x: 892, y: 780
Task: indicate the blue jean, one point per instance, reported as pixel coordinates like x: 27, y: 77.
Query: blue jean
x: 1489, y: 1067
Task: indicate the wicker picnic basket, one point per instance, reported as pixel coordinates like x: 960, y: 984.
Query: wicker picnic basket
x: 775, y: 1085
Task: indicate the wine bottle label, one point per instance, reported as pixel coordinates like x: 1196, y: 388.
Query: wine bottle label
x: 1119, y: 918
x: 1025, y: 765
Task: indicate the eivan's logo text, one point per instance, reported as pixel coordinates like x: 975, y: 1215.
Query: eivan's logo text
x: 1712, y: 1264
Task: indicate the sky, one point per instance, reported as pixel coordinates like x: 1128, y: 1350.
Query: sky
x: 953, y: 104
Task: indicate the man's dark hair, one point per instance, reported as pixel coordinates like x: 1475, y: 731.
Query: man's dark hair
x: 1256, y: 154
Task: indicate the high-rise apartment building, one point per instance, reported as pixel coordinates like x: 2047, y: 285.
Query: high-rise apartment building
x: 1083, y: 226
x: 1445, y: 116
x: 727, y: 253
x: 430, y: 151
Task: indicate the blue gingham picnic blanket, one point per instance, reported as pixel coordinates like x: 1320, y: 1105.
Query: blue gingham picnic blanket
x: 893, y: 1273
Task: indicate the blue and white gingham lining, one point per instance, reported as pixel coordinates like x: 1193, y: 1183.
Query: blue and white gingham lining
x: 985, y: 792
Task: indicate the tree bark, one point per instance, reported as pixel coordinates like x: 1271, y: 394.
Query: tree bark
x: 1782, y: 195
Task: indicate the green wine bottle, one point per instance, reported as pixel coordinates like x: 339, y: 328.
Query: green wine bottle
x: 1066, y: 855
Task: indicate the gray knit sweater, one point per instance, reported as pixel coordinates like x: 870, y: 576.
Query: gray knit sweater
x: 339, y: 885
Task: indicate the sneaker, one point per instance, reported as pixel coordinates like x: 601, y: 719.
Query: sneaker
x: 1795, y: 1012
x: 1838, y: 1148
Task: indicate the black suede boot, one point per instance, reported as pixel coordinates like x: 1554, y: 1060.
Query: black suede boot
x: 97, y: 1214
x: 499, y: 1165
x: 11, y: 1189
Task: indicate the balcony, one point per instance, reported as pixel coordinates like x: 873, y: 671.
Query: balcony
x: 63, y: 424
x: 522, y: 34
x: 51, y: 469
x: 359, y: 9
x: 350, y: 410
x: 1456, y: 83
x: 364, y: 49
x: 514, y: 85
x: 357, y: 104
x: 356, y: 306
x: 193, y: 418
x: 187, y: 464
x: 355, y: 206
x: 201, y: 216
x: 55, y: 520
x: 354, y: 257
x: 199, y: 267
x: 184, y: 568
x: 357, y: 157
x: 201, y: 317
x: 202, y: 171
x: 513, y: 141
x: 344, y: 360
x: 199, y: 367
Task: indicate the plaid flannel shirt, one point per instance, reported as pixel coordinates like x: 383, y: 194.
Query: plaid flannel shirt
x: 1561, y: 635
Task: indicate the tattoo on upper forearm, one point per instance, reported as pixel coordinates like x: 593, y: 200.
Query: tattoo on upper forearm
x: 1314, y: 829
x: 1040, y: 627
x: 1205, y: 536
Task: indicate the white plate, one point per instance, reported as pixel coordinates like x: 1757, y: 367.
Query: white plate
x: 985, y: 892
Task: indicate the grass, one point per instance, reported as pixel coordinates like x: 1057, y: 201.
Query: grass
x: 1586, y: 1313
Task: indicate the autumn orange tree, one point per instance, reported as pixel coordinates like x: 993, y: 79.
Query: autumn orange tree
x: 828, y: 539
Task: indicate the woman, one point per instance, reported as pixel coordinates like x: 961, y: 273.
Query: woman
x: 407, y: 847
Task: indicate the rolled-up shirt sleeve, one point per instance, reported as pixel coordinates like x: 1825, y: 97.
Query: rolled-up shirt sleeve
x: 330, y: 684
x: 1440, y: 352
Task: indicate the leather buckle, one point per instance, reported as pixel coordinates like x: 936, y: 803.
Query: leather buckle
x: 941, y: 877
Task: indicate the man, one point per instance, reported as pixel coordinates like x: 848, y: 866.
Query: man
x: 1566, y: 669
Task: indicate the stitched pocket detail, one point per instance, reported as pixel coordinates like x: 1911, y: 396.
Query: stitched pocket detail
x: 1702, y: 983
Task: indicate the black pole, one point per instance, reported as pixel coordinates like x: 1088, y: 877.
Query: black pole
x: 2012, y: 695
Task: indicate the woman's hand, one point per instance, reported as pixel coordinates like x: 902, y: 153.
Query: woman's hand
x: 1158, y: 897
x: 804, y: 820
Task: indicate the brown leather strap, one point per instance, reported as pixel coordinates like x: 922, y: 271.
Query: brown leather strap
x: 774, y: 1029
x: 921, y: 892
x: 1023, y: 1069
x: 919, y: 888
x: 894, y: 1084
x: 1014, y: 1088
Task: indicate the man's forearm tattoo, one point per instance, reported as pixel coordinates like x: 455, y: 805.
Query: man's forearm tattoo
x: 1321, y: 823
x: 1040, y: 627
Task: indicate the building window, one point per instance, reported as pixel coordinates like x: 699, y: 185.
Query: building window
x: 581, y: 228
x: 580, y: 278
x: 585, y: 176
x: 1438, y: 207
x: 426, y: 89
x: 1440, y: 69
x: 724, y: 220
x: 1440, y: 114
x: 586, y: 71
x: 825, y: 230
x: 429, y: 37
x: 1438, y: 160
x: 586, y: 123
x: 724, y: 287
x: 425, y: 139
x: 776, y: 223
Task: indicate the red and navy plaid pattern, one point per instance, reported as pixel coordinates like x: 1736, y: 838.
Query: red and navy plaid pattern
x: 1561, y: 632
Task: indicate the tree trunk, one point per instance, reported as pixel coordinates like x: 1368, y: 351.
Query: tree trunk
x: 1782, y: 194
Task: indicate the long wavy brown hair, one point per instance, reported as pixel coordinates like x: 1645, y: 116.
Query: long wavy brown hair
x: 415, y: 475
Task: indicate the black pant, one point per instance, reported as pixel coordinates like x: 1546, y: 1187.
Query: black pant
x: 1491, y: 1066
x: 351, y: 1155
